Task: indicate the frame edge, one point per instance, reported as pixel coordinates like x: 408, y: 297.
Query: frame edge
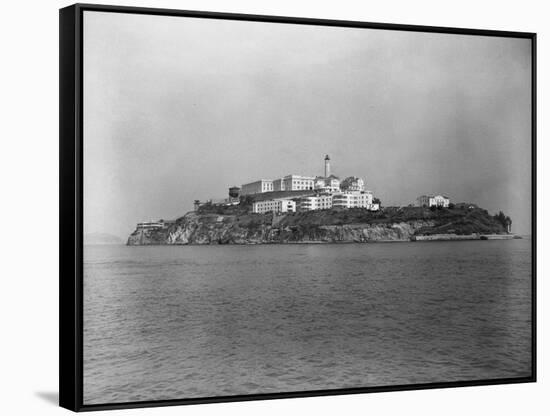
x: 70, y: 200
x: 69, y: 188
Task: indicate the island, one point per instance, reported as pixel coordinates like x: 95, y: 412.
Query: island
x: 320, y: 209
x: 235, y: 225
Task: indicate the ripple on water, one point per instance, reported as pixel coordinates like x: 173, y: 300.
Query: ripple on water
x: 183, y: 322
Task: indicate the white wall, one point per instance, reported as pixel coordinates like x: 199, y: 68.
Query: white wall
x: 28, y: 168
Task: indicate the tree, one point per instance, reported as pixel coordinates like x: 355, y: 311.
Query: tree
x: 377, y: 201
x: 504, y: 220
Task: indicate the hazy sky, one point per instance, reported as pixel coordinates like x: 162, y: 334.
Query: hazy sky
x: 177, y: 109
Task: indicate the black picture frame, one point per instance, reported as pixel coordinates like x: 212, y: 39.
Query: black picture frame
x: 71, y: 204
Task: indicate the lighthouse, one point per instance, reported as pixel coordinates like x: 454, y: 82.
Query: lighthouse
x: 327, y: 166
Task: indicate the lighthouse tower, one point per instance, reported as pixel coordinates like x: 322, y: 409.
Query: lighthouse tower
x: 327, y: 166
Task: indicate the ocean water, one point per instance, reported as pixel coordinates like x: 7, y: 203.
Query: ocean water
x: 172, y: 322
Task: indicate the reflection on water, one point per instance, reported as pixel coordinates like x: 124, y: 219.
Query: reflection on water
x: 197, y: 321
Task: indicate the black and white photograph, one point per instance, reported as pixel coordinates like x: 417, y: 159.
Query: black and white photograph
x: 275, y: 207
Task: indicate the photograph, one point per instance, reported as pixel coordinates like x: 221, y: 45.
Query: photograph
x: 286, y: 207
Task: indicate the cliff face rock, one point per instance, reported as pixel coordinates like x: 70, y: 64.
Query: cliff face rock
x: 257, y: 229
x: 236, y: 225
x: 147, y: 237
x: 366, y: 232
x: 215, y: 229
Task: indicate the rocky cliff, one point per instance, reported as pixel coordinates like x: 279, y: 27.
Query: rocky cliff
x: 400, y: 224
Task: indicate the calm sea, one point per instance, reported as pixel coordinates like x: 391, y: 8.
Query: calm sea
x: 171, y: 322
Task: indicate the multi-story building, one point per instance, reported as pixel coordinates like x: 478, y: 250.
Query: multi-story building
x: 319, y: 182
x: 330, y: 184
x: 287, y: 183
x: 297, y: 183
x: 274, y: 205
x: 432, y: 201
x: 354, y: 200
x: 353, y: 184
x: 257, y: 187
x: 338, y: 200
x: 310, y: 203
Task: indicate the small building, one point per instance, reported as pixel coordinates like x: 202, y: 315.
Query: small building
x: 216, y: 202
x: 274, y: 205
x: 150, y: 225
x: 353, y: 184
x: 465, y: 205
x: 224, y: 201
x: 432, y: 201
x: 257, y: 187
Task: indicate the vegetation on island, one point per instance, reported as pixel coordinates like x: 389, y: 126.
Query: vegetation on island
x: 463, y: 219
x: 236, y: 224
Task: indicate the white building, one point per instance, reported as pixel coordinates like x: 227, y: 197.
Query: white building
x: 257, y: 187
x: 338, y: 200
x: 274, y: 205
x: 310, y: 203
x: 354, y: 200
x: 294, y: 183
x: 330, y: 184
x: 224, y: 201
x: 319, y: 182
x: 353, y: 184
x: 297, y: 183
x: 150, y: 225
x: 432, y: 201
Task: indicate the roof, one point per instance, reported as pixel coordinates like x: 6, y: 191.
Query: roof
x: 433, y: 196
x: 256, y: 181
x: 293, y: 175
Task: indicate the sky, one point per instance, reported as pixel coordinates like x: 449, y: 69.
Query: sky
x: 178, y: 109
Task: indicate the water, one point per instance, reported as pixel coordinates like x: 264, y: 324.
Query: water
x: 171, y: 322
